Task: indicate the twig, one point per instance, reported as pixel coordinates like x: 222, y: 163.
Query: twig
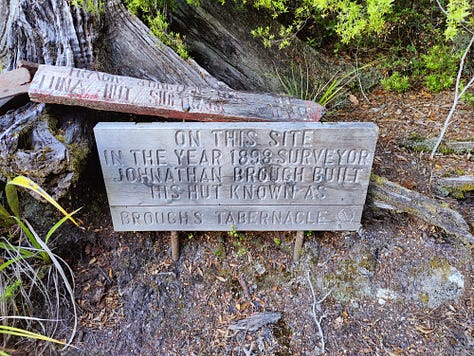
x: 457, y: 95
x: 240, y: 278
x: 248, y: 352
x: 316, y: 308
x: 359, y: 81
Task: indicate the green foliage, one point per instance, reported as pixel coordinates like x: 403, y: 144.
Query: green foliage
x: 91, y: 6
x: 396, y: 82
x: 441, y: 67
x: 457, y: 12
x: 153, y: 14
x: 353, y: 19
x: 10, y: 290
x: 468, y: 98
x: 277, y: 241
x: 238, y: 241
x: 437, y: 69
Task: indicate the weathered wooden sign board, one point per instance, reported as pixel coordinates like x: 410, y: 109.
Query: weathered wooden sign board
x: 102, y: 91
x: 251, y: 176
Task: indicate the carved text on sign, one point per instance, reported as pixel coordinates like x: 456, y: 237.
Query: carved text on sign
x: 213, y: 176
x: 102, y: 91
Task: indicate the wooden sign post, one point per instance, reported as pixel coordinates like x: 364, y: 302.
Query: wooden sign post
x: 244, y: 176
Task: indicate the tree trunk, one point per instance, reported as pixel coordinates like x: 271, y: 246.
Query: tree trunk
x: 219, y: 37
x: 37, y: 140
x: 48, y: 143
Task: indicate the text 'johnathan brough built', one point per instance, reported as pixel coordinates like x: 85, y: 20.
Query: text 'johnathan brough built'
x: 251, y: 176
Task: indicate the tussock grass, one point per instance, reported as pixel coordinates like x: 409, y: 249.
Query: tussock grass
x: 33, y: 279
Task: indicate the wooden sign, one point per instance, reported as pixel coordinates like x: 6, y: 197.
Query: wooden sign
x: 13, y: 83
x: 251, y: 176
x: 102, y: 91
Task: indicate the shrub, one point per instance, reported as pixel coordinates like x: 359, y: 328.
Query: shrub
x: 396, y: 82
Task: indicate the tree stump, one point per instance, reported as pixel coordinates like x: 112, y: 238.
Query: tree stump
x: 50, y: 143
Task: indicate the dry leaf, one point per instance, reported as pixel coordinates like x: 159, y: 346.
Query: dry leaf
x: 353, y: 99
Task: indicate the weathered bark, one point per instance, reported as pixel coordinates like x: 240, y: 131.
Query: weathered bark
x: 255, y: 321
x: 219, y: 38
x: 389, y: 195
x: 458, y: 187
x: 127, y: 48
x: 107, y: 92
x: 48, y: 144
x: 41, y: 142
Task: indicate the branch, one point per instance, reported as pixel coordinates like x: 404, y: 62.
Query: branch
x: 317, y: 308
x: 457, y: 96
x: 389, y: 195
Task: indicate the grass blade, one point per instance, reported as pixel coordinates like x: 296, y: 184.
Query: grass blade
x: 64, y: 278
x: 12, y: 200
x: 22, y: 181
x: 57, y: 225
x: 10, y: 330
x: 6, y: 219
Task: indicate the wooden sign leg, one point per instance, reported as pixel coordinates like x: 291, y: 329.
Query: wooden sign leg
x: 298, y: 245
x: 174, y: 246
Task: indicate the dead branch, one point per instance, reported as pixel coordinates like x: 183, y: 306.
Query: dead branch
x: 255, y: 321
x: 316, y: 312
x: 299, y: 239
x: 458, y: 93
x: 389, y: 195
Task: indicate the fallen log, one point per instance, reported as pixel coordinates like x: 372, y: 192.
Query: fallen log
x: 457, y: 187
x: 389, y: 195
x: 447, y: 147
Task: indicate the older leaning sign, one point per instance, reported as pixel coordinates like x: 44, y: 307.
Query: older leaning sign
x: 103, y: 91
x: 251, y: 176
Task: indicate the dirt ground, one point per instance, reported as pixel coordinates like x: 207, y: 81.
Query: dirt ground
x: 397, y: 287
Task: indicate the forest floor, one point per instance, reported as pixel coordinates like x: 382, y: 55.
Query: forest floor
x: 399, y: 286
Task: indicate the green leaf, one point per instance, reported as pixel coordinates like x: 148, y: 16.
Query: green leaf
x: 6, y: 219
x: 24, y: 252
x: 28, y: 234
x: 27, y: 183
x: 12, y: 199
x: 10, y: 330
x: 57, y: 225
